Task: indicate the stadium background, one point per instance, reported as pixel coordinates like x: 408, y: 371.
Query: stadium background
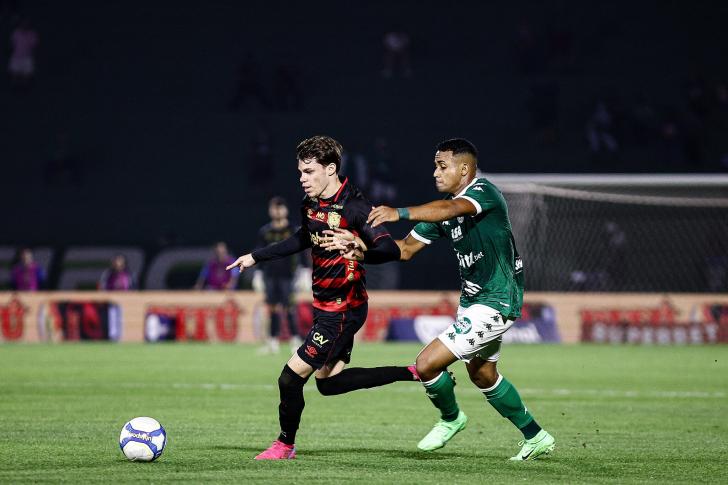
x: 156, y: 129
x: 136, y: 98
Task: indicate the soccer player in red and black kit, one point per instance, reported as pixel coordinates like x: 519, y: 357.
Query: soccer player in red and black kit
x: 339, y: 293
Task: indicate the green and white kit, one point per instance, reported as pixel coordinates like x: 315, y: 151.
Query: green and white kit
x: 491, y: 271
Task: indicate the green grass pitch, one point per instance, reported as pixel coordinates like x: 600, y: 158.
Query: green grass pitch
x: 619, y: 414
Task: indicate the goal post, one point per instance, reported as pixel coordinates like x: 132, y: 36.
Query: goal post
x: 620, y: 233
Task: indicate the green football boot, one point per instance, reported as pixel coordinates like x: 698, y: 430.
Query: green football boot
x: 442, y: 433
x: 541, y: 444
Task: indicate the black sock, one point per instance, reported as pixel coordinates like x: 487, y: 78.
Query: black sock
x: 275, y: 323
x: 291, y: 407
x: 292, y: 327
x: 361, y: 378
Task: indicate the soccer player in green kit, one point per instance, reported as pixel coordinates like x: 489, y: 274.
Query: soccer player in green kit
x: 474, y: 217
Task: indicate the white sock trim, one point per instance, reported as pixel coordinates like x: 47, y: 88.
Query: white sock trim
x: 497, y: 383
x: 431, y: 382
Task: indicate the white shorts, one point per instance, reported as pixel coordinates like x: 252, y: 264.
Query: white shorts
x: 477, y: 332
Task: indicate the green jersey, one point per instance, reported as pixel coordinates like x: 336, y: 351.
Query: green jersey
x: 491, y: 270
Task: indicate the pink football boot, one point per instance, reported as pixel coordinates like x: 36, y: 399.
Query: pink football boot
x: 278, y: 451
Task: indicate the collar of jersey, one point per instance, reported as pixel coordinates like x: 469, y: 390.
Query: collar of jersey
x: 330, y: 200
x: 465, y: 188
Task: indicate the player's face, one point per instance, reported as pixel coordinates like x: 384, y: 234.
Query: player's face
x: 277, y: 212
x: 118, y: 263
x: 448, y: 172
x: 314, y: 177
x: 221, y: 252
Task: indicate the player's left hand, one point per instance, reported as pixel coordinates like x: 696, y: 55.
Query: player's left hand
x: 381, y: 214
x: 340, y: 240
x: 245, y: 261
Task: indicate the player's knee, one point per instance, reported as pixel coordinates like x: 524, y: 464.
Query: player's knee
x: 426, y: 367
x: 289, y: 381
x: 327, y: 386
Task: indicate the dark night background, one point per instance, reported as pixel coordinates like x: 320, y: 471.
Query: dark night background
x: 172, y: 123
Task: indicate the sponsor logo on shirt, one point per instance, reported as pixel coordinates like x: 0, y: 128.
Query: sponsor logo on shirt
x: 467, y: 260
x: 519, y: 264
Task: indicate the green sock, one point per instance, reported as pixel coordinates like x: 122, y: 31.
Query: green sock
x: 440, y: 391
x: 506, y: 400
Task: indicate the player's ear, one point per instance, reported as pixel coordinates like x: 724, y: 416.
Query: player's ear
x: 464, y: 168
x: 330, y: 169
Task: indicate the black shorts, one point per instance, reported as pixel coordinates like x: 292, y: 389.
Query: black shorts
x: 278, y: 291
x: 332, y: 336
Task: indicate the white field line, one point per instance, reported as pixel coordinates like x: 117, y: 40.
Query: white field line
x: 529, y: 391
x: 646, y: 393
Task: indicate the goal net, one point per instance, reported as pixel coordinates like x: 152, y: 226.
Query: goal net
x: 620, y: 233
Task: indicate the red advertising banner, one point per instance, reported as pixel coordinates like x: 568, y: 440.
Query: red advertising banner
x: 655, y: 325
x: 235, y: 316
x: 193, y: 322
x: 12, y: 320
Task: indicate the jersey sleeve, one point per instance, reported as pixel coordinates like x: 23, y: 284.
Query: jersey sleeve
x: 483, y: 195
x: 427, y: 232
x: 367, y: 233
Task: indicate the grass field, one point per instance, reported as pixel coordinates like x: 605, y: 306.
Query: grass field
x: 619, y: 414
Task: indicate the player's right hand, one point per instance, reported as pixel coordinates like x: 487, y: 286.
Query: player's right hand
x: 245, y: 261
x: 381, y: 214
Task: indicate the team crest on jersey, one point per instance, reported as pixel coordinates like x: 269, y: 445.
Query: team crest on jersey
x: 460, y: 220
x: 462, y: 325
x: 334, y: 220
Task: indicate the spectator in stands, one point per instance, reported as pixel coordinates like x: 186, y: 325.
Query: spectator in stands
x: 117, y: 276
x: 63, y: 168
x: 287, y: 90
x: 600, y: 129
x: 214, y: 276
x: 8, y: 9
x: 669, y: 153
x: 396, y: 54
x: 355, y: 166
x: 23, y: 42
x: 383, y: 187
x: 27, y: 275
x: 529, y: 51
x: 249, y: 87
x: 260, y: 158
x: 543, y: 106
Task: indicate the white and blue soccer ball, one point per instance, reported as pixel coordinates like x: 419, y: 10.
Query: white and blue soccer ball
x: 142, y: 439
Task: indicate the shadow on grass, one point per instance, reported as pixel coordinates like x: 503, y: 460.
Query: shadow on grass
x: 324, y: 452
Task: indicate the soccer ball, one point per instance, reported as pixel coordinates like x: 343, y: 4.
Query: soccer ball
x: 142, y: 439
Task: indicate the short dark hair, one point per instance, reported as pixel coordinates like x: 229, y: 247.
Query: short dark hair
x: 324, y: 149
x: 278, y: 201
x: 458, y: 146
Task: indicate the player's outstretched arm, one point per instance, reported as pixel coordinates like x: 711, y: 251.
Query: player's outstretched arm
x: 294, y: 244
x: 352, y: 247
x: 435, y: 211
x: 382, y: 249
x: 408, y: 247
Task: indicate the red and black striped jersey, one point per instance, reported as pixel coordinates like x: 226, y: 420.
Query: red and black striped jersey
x: 338, y: 283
